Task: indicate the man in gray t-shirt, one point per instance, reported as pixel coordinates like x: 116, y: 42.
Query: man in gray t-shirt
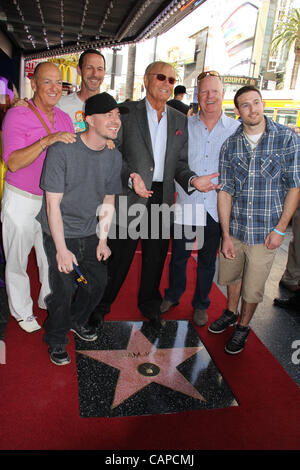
x: 84, y: 176
x: 79, y: 182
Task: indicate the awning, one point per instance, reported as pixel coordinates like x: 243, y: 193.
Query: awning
x: 40, y: 29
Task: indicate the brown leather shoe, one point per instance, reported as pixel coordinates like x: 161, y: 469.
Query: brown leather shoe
x: 166, y: 305
x: 200, y: 317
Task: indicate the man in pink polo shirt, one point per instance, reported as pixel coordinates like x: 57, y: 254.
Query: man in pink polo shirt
x: 25, y: 142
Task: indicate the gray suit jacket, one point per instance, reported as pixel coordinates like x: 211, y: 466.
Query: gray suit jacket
x: 134, y: 142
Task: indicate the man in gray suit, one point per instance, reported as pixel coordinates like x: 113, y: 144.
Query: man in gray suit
x: 154, y: 143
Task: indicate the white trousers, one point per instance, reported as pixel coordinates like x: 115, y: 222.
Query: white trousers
x: 22, y: 232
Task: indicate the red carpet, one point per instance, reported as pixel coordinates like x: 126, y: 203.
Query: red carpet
x: 39, y: 401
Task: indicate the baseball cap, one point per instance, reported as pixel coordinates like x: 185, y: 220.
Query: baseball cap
x: 179, y: 89
x: 102, y: 103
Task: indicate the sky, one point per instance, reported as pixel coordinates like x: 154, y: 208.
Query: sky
x: 212, y: 13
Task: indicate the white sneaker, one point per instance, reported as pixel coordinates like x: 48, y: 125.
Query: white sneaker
x: 29, y: 324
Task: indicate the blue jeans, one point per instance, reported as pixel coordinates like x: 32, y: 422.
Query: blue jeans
x: 206, y: 266
x: 68, y: 304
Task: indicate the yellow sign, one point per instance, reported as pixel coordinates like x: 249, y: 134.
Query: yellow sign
x: 234, y: 80
x: 66, y: 73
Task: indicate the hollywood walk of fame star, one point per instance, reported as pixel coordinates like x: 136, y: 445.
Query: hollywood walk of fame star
x: 142, y: 363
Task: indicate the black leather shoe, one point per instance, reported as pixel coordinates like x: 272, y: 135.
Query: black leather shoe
x: 290, y: 287
x: 291, y: 304
x: 157, y: 323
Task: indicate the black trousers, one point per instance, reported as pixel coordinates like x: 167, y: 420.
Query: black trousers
x: 154, y: 253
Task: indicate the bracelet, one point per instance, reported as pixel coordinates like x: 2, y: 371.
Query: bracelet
x: 279, y: 233
x: 41, y: 144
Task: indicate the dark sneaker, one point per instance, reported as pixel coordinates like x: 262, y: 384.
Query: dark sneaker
x: 59, y: 355
x: 238, y: 340
x: 85, y: 332
x: 221, y: 324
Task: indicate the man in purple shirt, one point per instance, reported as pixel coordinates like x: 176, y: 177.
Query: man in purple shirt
x: 25, y: 142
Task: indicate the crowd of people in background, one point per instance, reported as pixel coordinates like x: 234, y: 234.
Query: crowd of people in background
x: 79, y: 165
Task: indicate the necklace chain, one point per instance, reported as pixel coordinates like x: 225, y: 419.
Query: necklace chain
x: 253, y: 142
x: 83, y: 138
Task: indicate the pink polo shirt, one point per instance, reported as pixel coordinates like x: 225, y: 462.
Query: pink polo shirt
x: 21, y: 128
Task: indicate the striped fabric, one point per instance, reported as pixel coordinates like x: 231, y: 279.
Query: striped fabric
x: 258, y: 180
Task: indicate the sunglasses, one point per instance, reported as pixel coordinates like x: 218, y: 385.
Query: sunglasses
x: 212, y: 73
x: 161, y: 77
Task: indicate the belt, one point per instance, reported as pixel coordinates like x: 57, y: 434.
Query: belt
x: 23, y: 193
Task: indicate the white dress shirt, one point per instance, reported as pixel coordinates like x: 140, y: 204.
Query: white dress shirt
x: 158, y: 133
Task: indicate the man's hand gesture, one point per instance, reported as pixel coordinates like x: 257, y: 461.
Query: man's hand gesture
x: 139, y: 186
x: 204, y: 183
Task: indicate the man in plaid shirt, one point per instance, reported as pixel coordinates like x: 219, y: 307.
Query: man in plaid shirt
x: 260, y: 187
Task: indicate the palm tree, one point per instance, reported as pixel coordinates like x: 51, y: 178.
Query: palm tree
x: 287, y: 34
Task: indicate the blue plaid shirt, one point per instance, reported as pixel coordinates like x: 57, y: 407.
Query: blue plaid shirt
x: 258, y: 180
